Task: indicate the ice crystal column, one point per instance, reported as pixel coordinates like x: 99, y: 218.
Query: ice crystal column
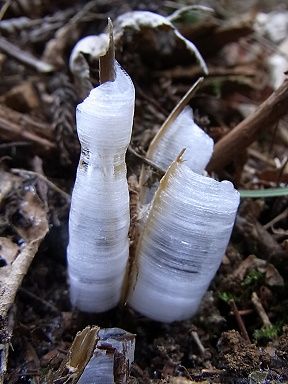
x: 111, y: 359
x: 177, y: 132
x: 99, y: 217
x: 183, y: 241
x: 182, y: 133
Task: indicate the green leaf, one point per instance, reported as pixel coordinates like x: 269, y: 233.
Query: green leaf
x: 268, y: 332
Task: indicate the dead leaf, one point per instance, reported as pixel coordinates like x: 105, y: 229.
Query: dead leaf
x: 153, y: 34
x: 8, y: 181
x: 273, y: 277
x: 18, y: 258
x: 8, y: 251
x: 33, y: 221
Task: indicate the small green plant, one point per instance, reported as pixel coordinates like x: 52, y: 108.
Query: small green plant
x: 266, y: 333
x: 225, y: 296
x: 252, y: 278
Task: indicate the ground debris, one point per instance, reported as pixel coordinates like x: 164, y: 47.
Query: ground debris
x: 238, y: 357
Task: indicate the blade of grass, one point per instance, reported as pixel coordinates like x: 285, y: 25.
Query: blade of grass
x: 258, y: 193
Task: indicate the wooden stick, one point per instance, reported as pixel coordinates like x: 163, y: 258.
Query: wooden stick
x: 265, y: 116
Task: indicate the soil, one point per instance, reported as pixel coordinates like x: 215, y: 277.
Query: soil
x: 240, y: 333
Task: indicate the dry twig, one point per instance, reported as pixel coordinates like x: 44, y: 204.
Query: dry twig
x: 260, y: 310
x: 265, y: 116
x: 240, y: 322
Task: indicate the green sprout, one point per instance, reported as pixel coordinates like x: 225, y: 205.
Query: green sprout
x: 266, y: 333
x: 225, y: 296
x: 252, y: 278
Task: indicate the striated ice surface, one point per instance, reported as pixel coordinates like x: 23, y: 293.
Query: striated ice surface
x: 99, y: 217
x: 111, y: 359
x: 183, y: 133
x: 182, y: 244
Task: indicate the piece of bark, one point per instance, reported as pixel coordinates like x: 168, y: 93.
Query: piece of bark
x: 236, y: 141
x: 107, y: 61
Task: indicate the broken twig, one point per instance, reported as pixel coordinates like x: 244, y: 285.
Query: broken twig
x: 239, y: 320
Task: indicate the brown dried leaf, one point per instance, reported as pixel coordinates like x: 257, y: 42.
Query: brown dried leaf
x: 7, y: 183
x: 11, y: 276
x: 18, y: 258
x: 154, y: 34
x: 8, y: 252
x: 33, y: 218
x: 273, y: 277
x: 15, y: 126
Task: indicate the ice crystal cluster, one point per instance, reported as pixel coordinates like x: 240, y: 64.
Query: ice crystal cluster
x: 182, y: 238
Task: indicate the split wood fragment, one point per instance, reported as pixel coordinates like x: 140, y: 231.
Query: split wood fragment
x: 265, y: 116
